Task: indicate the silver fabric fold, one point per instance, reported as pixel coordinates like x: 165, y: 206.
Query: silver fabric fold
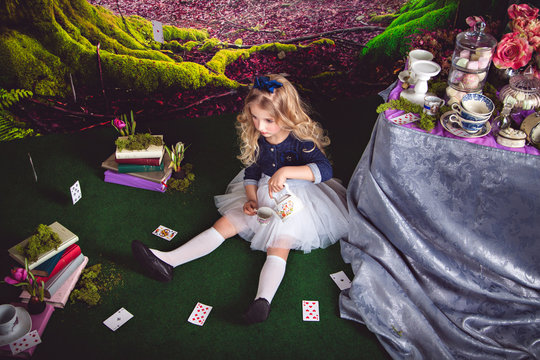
x: 444, y: 242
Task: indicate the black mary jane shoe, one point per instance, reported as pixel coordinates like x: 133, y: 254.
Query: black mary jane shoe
x: 257, y: 312
x: 155, y: 267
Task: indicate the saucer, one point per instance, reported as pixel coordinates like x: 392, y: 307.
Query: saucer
x: 23, y: 327
x: 457, y: 131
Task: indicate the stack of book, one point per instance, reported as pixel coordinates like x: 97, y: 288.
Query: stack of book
x: 145, y: 169
x: 59, y: 268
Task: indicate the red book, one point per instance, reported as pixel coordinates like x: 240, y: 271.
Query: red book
x: 144, y: 161
x: 69, y: 254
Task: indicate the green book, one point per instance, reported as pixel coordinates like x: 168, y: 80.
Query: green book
x: 131, y: 168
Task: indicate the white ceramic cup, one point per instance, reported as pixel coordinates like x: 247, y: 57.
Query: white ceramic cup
x: 470, y: 126
x: 419, y: 54
x: 8, y: 318
x: 264, y: 215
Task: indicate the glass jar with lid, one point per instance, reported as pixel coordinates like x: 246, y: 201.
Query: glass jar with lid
x: 471, y: 60
x: 522, y: 92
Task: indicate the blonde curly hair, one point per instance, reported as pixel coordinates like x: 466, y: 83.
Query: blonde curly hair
x: 289, y: 112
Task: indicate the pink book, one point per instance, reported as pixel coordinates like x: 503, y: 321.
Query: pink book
x: 39, y: 322
x: 61, y: 296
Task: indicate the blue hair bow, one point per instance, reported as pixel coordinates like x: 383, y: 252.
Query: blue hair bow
x: 264, y: 83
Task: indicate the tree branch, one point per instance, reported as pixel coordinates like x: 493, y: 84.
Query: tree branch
x: 318, y: 35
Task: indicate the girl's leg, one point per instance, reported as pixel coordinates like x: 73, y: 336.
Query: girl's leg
x: 270, y: 278
x: 159, y: 265
x: 201, y: 245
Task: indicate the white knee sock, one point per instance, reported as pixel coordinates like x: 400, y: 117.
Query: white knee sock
x: 272, y: 273
x: 201, y: 245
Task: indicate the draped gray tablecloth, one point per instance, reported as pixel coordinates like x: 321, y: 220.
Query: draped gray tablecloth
x: 444, y: 242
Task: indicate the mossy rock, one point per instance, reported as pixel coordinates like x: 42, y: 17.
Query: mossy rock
x: 392, y: 44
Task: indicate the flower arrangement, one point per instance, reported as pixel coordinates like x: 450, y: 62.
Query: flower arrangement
x: 521, y: 46
x: 24, y: 277
x: 123, y: 126
x: 177, y: 155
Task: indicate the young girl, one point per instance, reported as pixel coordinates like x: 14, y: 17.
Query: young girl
x: 280, y: 144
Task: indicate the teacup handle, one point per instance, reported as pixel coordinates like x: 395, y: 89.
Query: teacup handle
x: 454, y: 119
x: 456, y: 107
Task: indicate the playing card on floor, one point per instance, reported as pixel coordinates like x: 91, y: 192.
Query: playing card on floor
x: 118, y: 319
x: 76, y: 194
x: 310, y: 310
x: 199, y: 314
x: 164, y: 232
x: 26, y: 342
x: 341, y: 280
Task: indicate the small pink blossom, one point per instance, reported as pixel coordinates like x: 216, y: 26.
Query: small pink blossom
x: 18, y: 275
x: 472, y: 20
x: 119, y: 124
x: 522, y: 11
x: 513, y: 51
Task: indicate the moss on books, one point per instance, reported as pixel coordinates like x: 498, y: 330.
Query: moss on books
x: 138, y: 142
x: 42, y: 241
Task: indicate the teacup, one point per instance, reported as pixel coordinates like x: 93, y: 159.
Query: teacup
x: 8, y: 318
x: 419, y: 54
x: 474, y: 106
x: 432, y: 104
x: 264, y: 215
x: 470, y: 126
x: 414, y: 56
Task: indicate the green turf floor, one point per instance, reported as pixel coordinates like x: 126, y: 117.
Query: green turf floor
x: 110, y: 216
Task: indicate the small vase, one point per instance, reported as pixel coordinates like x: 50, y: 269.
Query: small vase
x: 35, y: 306
x: 179, y: 175
x: 501, y: 77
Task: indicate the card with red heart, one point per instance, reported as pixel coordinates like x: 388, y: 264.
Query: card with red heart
x: 199, y: 314
x: 26, y: 342
x: 310, y: 310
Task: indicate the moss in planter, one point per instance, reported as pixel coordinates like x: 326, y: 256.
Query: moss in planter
x: 42, y: 241
x: 182, y: 184
x: 138, y: 142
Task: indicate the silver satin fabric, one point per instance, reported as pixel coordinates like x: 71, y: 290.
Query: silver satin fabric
x: 444, y: 242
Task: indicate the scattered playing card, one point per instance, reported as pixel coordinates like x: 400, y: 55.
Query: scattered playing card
x: 118, y: 319
x: 341, y: 280
x: 158, y: 31
x: 164, y: 232
x: 26, y: 342
x: 199, y: 314
x: 76, y: 194
x: 33, y: 168
x: 310, y: 310
x: 404, y: 119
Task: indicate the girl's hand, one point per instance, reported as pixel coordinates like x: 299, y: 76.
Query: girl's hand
x: 250, y: 207
x: 277, y: 182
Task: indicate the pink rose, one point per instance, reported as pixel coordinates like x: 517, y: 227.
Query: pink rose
x: 522, y: 11
x: 513, y: 51
x: 519, y: 24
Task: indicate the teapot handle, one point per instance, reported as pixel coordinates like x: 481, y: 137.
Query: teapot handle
x: 286, y: 187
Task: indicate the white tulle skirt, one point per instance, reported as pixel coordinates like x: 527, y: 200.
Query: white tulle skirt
x: 322, y: 221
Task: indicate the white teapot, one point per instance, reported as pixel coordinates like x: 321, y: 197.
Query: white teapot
x: 288, y: 204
